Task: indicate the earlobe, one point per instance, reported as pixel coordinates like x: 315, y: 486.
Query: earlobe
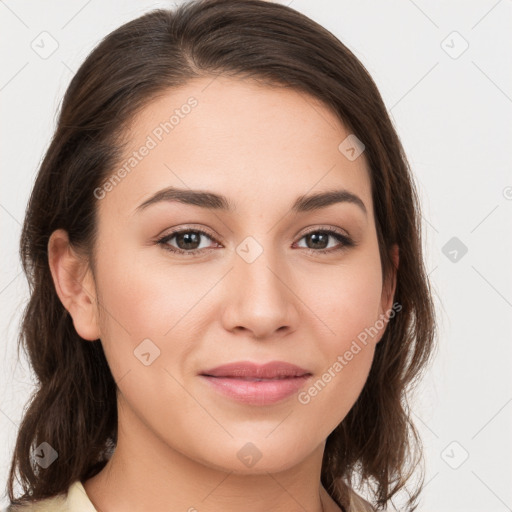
x: 74, y: 284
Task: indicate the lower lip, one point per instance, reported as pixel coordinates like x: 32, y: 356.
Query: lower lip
x: 262, y: 392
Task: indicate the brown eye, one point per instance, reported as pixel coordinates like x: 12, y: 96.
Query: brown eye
x: 188, y: 241
x: 318, y: 241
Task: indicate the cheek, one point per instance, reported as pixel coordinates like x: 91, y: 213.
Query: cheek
x: 349, y: 300
x: 146, y: 297
x: 348, y: 306
x: 146, y: 329
x: 141, y: 301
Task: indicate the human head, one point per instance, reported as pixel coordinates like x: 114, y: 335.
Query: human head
x: 139, y: 64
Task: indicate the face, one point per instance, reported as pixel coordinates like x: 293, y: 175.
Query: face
x: 259, y: 281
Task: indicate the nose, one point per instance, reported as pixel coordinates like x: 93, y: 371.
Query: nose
x: 261, y: 297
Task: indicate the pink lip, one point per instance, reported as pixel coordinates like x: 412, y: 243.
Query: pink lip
x: 248, y: 369
x: 238, y: 381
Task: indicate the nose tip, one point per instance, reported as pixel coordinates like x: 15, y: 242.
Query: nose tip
x: 259, y: 300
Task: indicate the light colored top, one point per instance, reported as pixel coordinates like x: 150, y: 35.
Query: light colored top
x: 358, y: 504
x: 77, y: 500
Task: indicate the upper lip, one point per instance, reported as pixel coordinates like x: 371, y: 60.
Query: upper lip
x: 248, y: 369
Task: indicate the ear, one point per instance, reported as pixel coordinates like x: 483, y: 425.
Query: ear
x: 388, y: 290
x: 389, y: 287
x: 74, y: 284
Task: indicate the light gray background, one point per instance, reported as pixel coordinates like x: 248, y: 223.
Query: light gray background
x: 452, y: 110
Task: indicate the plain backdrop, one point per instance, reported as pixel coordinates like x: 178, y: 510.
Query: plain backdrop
x: 443, y: 69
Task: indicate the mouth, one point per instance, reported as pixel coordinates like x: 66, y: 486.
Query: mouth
x: 253, y: 384
x: 252, y: 379
x: 249, y: 370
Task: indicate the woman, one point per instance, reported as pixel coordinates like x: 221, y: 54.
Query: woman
x: 228, y: 299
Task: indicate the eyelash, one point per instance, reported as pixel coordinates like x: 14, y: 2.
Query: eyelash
x: 346, y: 241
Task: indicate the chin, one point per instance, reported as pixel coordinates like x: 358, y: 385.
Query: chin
x: 257, y: 457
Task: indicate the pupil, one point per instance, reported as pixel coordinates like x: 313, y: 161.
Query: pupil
x: 316, y: 236
x: 189, y: 238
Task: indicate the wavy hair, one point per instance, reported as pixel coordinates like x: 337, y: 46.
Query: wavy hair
x: 74, y: 405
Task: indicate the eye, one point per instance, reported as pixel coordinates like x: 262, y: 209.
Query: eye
x: 319, y: 239
x: 188, y: 241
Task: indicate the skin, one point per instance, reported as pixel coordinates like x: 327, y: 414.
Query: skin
x: 261, y: 147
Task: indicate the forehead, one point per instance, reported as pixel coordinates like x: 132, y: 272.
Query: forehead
x: 238, y: 138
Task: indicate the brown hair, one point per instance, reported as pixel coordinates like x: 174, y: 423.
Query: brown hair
x: 74, y: 406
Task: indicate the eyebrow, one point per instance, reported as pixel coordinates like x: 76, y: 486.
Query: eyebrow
x: 213, y: 201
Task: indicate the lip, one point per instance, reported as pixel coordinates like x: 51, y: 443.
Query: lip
x: 248, y: 369
x: 255, y: 384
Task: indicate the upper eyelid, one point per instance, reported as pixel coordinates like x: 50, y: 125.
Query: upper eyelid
x: 177, y: 231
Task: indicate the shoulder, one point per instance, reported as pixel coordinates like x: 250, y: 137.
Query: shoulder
x: 54, y: 504
x: 75, y: 499
x: 358, y: 504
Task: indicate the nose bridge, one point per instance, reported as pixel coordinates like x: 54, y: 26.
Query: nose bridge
x: 260, y: 300
x: 258, y: 267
